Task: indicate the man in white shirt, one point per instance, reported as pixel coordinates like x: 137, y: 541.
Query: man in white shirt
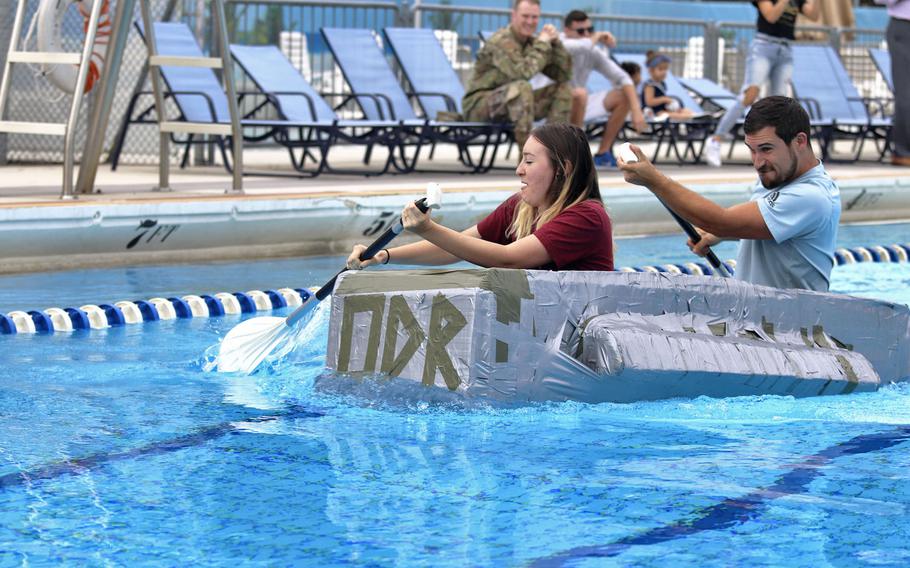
x: 788, y: 229
x: 584, y: 44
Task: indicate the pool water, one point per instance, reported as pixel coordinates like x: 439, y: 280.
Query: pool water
x: 117, y: 449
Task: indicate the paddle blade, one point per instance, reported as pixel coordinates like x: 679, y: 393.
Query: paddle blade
x: 248, y: 344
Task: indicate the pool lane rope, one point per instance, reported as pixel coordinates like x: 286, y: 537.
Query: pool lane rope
x: 890, y: 253
x: 101, y: 316
x: 125, y: 312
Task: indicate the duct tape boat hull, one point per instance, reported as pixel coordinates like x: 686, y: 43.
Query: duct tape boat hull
x: 525, y: 336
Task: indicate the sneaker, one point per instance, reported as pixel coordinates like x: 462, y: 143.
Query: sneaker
x: 712, y: 153
x: 605, y: 161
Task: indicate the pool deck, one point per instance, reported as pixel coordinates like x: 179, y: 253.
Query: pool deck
x: 127, y: 221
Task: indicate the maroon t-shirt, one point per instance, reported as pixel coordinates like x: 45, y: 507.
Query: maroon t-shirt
x: 579, y: 238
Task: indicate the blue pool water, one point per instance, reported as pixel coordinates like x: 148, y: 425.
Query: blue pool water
x: 117, y: 449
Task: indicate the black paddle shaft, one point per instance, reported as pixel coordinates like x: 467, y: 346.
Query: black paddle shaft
x: 379, y: 244
x: 695, y: 237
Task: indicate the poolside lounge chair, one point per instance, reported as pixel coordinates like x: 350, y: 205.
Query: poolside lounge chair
x: 296, y: 101
x: 837, y: 110
x: 882, y: 60
x: 716, y: 96
x: 381, y: 97
x: 437, y: 89
x: 198, y: 94
x: 427, y: 69
x: 709, y: 92
x: 199, y: 97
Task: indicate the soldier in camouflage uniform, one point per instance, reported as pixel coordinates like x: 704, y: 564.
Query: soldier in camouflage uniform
x: 500, y: 88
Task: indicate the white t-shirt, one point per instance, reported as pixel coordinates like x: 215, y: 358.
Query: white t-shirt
x: 586, y: 57
x: 802, y: 216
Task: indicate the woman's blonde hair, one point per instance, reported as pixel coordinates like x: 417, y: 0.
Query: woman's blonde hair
x: 574, y: 180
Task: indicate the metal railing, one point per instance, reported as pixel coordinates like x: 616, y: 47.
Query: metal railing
x: 698, y: 48
x: 854, y: 46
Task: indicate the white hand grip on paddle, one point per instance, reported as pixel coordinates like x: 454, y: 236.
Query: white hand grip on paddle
x: 434, y: 195
x: 625, y: 152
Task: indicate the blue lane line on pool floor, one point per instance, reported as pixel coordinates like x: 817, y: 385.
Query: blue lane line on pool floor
x: 732, y: 512
x: 199, y: 437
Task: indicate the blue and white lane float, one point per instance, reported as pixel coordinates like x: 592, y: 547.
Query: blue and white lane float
x: 101, y: 316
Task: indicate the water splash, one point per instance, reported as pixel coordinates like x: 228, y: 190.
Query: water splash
x: 310, y: 339
x: 291, y: 377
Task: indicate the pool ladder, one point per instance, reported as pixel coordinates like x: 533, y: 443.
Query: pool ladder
x: 101, y: 111
x: 166, y: 127
x: 66, y: 129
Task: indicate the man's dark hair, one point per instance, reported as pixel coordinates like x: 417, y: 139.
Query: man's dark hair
x: 574, y: 16
x: 786, y: 115
x: 630, y: 67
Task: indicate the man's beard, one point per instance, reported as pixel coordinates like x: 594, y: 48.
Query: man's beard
x: 789, y: 176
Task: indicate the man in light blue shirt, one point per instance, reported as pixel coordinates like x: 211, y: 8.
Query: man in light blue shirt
x: 788, y: 229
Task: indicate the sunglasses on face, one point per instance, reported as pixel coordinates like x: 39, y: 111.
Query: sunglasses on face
x: 584, y: 31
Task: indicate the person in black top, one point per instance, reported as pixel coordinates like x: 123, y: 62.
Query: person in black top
x: 769, y: 59
x: 654, y: 95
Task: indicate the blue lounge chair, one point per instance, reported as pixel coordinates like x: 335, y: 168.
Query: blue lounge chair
x: 710, y: 92
x: 295, y: 101
x: 199, y: 97
x: 437, y: 89
x: 837, y: 110
x: 427, y: 69
x: 381, y: 97
x: 716, y: 96
x: 882, y: 60
x: 196, y: 91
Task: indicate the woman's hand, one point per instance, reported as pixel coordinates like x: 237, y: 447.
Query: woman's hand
x: 415, y: 220
x: 354, y: 262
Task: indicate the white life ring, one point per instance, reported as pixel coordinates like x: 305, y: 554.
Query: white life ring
x: 50, y: 29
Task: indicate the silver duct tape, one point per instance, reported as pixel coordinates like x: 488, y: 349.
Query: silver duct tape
x: 596, y: 336
x: 423, y: 335
x: 665, y: 361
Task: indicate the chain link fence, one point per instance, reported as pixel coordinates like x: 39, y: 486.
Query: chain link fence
x: 854, y: 51
x: 714, y: 50
x: 34, y: 98
x: 6, y: 29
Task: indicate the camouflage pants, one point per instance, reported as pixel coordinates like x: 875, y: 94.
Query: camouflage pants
x: 516, y: 103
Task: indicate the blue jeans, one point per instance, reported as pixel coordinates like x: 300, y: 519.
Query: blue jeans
x: 769, y: 59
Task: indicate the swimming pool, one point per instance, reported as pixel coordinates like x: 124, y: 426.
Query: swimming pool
x: 117, y: 449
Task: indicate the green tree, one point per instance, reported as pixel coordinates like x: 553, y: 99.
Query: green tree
x: 445, y: 20
x: 267, y: 23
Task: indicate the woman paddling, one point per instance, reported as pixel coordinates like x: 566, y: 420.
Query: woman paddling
x: 556, y: 221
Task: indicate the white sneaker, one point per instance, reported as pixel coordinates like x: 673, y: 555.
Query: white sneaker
x: 712, y: 153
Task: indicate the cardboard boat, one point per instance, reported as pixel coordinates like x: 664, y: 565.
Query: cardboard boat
x: 526, y: 335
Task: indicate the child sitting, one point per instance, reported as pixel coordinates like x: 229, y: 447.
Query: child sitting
x: 654, y: 93
x: 633, y: 70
